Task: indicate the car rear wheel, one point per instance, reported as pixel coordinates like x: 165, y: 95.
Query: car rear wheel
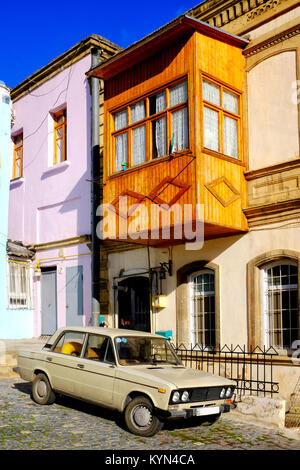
x: 42, y: 392
x: 140, y: 419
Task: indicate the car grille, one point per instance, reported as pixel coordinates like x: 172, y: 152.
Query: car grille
x: 205, y: 394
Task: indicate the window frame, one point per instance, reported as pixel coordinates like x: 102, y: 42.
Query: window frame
x: 17, y: 148
x: 222, y: 112
x: 15, y: 270
x: 97, y: 361
x: 63, y: 126
x: 195, y: 333
x: 148, y: 123
x: 268, y: 330
x: 64, y: 333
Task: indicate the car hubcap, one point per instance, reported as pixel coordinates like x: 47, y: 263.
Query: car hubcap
x: 142, y: 416
x: 42, y: 389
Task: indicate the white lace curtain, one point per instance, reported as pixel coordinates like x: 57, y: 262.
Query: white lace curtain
x: 230, y: 137
x: 138, y: 112
x: 180, y: 134
x: 211, y: 129
x: 160, y: 126
x: 120, y: 151
x: 121, y: 121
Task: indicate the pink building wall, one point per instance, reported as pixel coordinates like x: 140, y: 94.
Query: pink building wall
x: 52, y: 203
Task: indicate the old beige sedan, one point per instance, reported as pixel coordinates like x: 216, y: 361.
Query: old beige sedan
x: 133, y: 372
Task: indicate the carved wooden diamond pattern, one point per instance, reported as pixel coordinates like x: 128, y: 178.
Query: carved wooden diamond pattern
x: 220, y: 186
x: 153, y: 196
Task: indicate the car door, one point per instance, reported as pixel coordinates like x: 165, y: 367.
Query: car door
x: 62, y: 363
x: 97, y: 365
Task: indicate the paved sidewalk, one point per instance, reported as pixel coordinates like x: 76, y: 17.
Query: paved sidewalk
x: 9, y: 349
x: 70, y: 424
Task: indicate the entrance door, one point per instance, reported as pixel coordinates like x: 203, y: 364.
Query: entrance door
x: 74, y: 296
x: 49, y: 301
x: 134, y: 304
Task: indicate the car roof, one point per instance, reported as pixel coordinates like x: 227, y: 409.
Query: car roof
x: 106, y: 331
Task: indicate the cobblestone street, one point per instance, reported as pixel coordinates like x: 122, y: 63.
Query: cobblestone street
x: 70, y: 424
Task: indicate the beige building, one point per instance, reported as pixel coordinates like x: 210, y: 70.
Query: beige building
x: 241, y: 289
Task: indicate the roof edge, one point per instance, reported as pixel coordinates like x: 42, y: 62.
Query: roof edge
x: 58, y: 63
x: 184, y: 20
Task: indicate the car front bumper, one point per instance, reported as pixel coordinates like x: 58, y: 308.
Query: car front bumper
x: 198, y: 411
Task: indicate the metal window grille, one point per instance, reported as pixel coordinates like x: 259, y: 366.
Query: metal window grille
x: 20, y: 286
x: 281, y: 321
x: 202, y: 287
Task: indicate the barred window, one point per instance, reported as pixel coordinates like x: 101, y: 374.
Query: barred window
x: 20, y: 286
x: 281, y: 322
x: 202, y: 308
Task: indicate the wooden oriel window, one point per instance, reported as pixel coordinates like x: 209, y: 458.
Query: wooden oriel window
x: 221, y: 118
x: 152, y: 127
x: 18, y: 156
x: 60, y: 137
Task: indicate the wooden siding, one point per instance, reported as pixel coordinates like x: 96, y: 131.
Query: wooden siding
x: 214, y: 180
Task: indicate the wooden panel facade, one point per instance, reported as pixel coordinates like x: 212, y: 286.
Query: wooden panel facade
x: 195, y: 175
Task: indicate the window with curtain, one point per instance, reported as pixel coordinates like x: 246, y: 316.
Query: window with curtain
x: 221, y: 118
x: 20, y: 285
x: 151, y: 128
x: 202, y: 308
x: 60, y: 137
x: 18, y: 156
x: 280, y: 302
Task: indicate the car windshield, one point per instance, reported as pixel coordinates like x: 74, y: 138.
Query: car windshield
x: 134, y: 350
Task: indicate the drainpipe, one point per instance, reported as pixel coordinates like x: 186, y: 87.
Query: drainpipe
x: 95, y: 177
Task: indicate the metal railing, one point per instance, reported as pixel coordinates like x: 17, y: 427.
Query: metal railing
x: 251, y: 368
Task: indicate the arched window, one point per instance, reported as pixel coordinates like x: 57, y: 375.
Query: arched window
x: 202, y: 308
x: 280, y: 304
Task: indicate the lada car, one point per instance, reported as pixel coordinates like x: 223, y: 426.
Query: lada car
x: 136, y: 373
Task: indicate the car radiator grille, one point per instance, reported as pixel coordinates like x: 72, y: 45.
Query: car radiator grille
x: 205, y: 394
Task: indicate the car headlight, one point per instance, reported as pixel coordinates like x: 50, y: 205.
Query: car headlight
x: 222, y: 394
x: 185, y: 396
x: 175, y: 397
x: 228, y: 392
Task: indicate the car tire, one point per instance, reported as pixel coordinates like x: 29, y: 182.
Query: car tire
x: 42, y: 392
x: 140, y: 419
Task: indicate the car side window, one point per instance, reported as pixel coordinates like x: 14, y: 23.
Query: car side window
x: 99, y: 348
x: 70, y: 343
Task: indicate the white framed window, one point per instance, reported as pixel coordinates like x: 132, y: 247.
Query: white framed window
x: 202, y: 308
x: 280, y: 304
x: 19, y: 285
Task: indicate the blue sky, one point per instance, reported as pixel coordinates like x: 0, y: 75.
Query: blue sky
x: 32, y: 33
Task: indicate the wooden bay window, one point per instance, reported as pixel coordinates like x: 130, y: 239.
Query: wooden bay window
x: 153, y: 127
x: 221, y: 118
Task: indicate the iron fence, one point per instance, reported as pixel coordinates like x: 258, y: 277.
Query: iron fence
x: 251, y: 368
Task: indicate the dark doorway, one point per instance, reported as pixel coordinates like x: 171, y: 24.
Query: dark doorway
x: 134, y: 304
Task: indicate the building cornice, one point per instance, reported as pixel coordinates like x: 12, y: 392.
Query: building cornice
x: 273, y: 41
x: 271, y: 170
x: 60, y: 63
x: 242, y: 16
x: 273, y: 213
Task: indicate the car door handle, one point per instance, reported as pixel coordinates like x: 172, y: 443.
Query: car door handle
x: 49, y: 359
x: 81, y: 366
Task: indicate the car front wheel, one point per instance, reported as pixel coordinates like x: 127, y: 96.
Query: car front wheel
x: 139, y: 417
x: 42, y: 392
